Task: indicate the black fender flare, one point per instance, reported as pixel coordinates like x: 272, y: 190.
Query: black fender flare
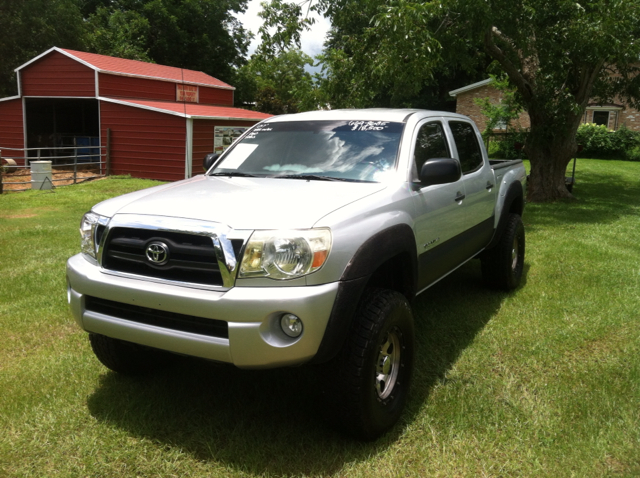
x: 371, y: 255
x: 513, y: 199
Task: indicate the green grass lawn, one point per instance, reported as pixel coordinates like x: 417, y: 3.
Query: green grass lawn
x: 541, y: 382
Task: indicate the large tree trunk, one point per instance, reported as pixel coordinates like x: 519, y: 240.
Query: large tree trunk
x: 549, y: 152
x: 548, y: 168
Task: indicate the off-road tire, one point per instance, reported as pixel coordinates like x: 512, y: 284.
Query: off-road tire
x: 370, y: 377
x: 502, y: 266
x: 127, y: 358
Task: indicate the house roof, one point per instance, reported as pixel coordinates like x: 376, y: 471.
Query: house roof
x: 470, y: 87
x: 192, y: 110
x: 142, y: 69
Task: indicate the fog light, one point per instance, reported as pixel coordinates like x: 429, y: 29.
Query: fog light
x: 291, y: 325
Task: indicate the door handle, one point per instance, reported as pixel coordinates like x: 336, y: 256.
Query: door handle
x: 489, y: 185
x: 460, y: 196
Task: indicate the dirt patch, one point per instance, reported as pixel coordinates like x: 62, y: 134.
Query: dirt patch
x: 20, y: 179
x: 25, y: 214
x: 18, y: 216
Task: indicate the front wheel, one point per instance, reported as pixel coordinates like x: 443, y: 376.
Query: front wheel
x: 372, y: 374
x: 502, y: 266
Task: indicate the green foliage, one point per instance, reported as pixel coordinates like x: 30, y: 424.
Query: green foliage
x: 201, y: 35
x: 278, y: 84
x: 382, y: 56
x: 275, y: 79
x: 122, y: 34
x: 283, y: 22
x: 30, y: 27
x: 600, y: 142
x: 351, y: 75
x: 506, y: 145
x: 501, y: 115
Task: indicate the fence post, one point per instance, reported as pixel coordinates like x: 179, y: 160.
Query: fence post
x: 75, y: 160
x: 108, y: 154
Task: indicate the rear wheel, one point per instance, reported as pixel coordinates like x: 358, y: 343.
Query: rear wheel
x: 502, y: 266
x: 372, y: 374
x: 127, y: 358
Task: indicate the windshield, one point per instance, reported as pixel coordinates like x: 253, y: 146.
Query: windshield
x: 339, y: 150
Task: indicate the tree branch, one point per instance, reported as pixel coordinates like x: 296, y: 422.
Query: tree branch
x: 587, y: 81
x: 517, y: 78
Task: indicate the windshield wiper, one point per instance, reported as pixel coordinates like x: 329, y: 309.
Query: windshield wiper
x: 236, y: 174
x: 315, y: 177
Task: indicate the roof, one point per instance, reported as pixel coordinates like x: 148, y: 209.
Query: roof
x: 141, y: 69
x: 366, y: 114
x: 470, y: 87
x: 192, y: 110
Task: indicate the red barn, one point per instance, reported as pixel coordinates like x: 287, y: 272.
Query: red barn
x: 160, y: 121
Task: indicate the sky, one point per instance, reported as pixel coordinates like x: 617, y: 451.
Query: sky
x: 311, y: 40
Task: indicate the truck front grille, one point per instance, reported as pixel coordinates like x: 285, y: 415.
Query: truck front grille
x: 191, y: 257
x: 158, y: 318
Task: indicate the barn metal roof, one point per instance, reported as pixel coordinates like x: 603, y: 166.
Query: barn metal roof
x: 192, y: 110
x: 141, y: 69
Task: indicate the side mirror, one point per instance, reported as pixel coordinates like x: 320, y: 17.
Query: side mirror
x: 440, y: 171
x: 209, y: 159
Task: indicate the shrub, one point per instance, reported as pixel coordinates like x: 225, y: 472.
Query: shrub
x: 503, y: 145
x: 633, y: 154
x: 599, y: 142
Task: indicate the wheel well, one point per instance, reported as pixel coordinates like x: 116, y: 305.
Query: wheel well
x: 517, y: 206
x: 395, y: 274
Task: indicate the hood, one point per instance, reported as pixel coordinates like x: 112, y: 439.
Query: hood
x: 243, y: 203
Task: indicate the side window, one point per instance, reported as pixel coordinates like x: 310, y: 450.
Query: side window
x: 467, y: 144
x: 430, y: 143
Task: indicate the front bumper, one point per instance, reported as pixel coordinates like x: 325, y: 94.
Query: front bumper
x: 255, y: 339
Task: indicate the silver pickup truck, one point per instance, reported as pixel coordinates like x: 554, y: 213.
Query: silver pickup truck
x: 304, y: 242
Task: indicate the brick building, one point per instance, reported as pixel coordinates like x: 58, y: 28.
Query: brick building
x: 611, y: 115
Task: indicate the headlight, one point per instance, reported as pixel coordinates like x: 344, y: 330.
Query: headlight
x: 285, y: 254
x: 91, y: 228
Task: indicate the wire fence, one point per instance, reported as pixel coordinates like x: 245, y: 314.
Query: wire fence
x: 69, y: 165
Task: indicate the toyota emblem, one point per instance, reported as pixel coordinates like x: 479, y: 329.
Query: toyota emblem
x: 158, y: 253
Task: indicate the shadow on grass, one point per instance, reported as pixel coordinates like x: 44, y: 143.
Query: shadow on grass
x: 269, y: 421
x: 601, y: 198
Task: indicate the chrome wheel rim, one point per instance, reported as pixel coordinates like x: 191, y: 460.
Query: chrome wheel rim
x: 388, y: 364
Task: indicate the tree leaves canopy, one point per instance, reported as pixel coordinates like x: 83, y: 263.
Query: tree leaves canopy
x: 278, y: 84
x: 30, y: 27
x: 201, y: 35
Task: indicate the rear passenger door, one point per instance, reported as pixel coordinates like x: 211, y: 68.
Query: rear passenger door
x: 479, y: 186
